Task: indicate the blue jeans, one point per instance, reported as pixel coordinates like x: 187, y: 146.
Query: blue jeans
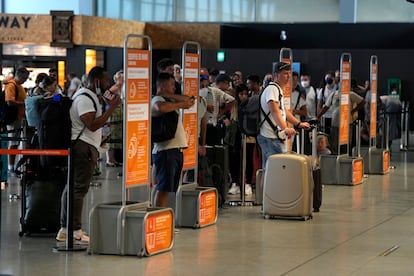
x: 269, y: 147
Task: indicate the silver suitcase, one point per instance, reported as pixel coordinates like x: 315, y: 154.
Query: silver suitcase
x: 288, y: 187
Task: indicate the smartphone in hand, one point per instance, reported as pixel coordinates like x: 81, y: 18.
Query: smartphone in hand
x: 108, y: 95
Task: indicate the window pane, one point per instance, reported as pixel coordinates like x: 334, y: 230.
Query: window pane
x: 385, y: 11
x: 144, y: 10
x: 215, y: 10
x: 297, y: 11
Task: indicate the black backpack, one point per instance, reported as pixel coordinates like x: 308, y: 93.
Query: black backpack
x: 55, y: 127
x: 249, y: 115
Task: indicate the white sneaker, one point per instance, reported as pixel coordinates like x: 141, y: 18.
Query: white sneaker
x: 248, y: 189
x: 234, y: 190
x: 61, y: 235
x: 78, y: 236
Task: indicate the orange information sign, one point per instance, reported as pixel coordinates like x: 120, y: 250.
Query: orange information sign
x: 159, y: 231
x: 137, y: 99
x: 190, y: 122
x: 344, y: 108
x: 287, y: 90
x: 373, y: 123
x: 208, y: 208
x: 357, y: 171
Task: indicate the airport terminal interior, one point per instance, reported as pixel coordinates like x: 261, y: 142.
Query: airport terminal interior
x: 360, y: 230
x: 365, y: 229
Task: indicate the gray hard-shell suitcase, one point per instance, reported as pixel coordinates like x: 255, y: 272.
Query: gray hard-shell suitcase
x: 288, y: 186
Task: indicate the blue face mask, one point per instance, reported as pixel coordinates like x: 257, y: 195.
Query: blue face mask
x: 267, y: 81
x: 329, y: 80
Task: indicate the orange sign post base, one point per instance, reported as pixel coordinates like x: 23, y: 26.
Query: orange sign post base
x: 197, y: 206
x: 341, y: 169
x: 132, y: 229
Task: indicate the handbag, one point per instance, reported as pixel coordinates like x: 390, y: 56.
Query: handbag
x: 163, y: 127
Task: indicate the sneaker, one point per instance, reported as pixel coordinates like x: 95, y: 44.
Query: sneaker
x: 234, y: 190
x: 78, y: 236
x: 61, y: 235
x: 248, y: 189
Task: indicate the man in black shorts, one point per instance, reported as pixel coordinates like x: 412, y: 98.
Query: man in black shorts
x: 168, y: 155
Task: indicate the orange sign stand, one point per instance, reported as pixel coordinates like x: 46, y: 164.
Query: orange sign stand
x: 127, y: 228
x: 286, y: 56
x: 195, y: 206
x: 343, y: 169
x: 376, y: 160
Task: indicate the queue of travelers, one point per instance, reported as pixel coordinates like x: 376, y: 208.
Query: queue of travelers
x: 220, y: 96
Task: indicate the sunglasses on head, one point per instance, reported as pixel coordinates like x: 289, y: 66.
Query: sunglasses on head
x: 205, y: 77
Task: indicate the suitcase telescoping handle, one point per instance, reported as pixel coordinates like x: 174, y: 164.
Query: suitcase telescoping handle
x: 300, y: 141
x: 314, y: 126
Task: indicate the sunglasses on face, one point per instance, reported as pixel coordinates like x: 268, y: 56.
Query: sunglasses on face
x: 203, y: 78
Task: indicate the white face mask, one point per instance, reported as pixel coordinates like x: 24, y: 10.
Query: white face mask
x: 305, y: 84
x: 98, y: 89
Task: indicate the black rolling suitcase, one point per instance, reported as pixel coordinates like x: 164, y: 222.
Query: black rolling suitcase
x: 44, y: 177
x: 218, y: 160
x: 316, y: 173
x: 40, y: 204
x: 311, y: 149
x: 317, y: 189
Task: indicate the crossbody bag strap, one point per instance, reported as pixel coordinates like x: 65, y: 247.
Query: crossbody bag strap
x: 297, y: 100
x: 266, y: 116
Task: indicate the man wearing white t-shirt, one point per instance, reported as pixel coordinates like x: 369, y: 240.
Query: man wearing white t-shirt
x: 273, y: 129
x: 87, y: 121
x: 311, y: 95
x: 327, y: 89
x: 74, y: 84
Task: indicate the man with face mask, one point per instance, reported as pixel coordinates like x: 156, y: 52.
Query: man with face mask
x: 87, y: 121
x: 311, y: 97
x: 327, y: 88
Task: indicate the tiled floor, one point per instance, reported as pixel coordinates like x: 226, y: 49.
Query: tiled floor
x: 355, y: 226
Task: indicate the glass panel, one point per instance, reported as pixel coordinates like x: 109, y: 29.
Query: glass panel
x: 215, y: 10
x: 385, y: 11
x: 297, y: 11
x: 148, y: 10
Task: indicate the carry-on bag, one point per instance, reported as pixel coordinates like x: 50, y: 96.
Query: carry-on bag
x: 288, y: 186
x: 40, y: 204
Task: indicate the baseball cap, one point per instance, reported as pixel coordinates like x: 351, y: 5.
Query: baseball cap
x: 280, y: 66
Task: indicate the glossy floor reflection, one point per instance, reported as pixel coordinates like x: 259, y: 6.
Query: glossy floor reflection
x: 350, y: 236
